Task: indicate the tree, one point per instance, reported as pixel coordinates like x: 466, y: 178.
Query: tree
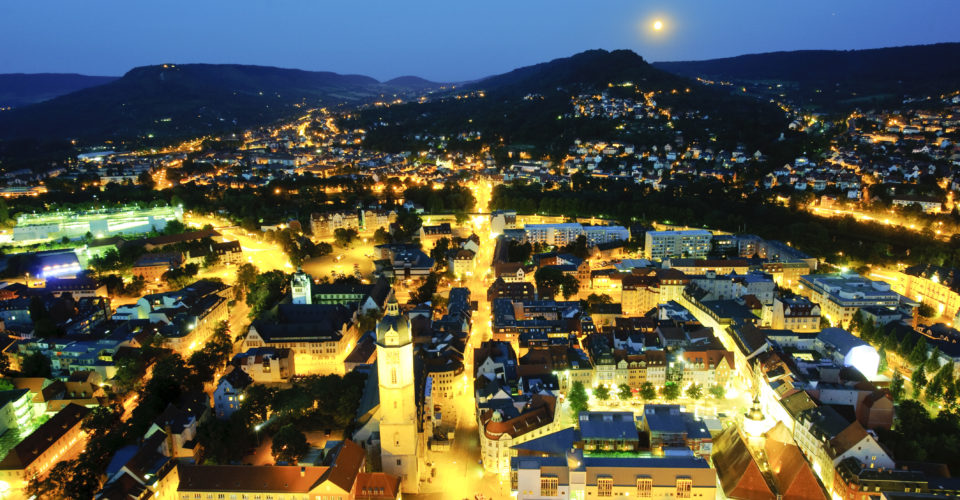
x: 578, y: 248
x: 718, y: 391
x: 868, y: 331
x: 135, y: 287
x: 625, y: 393
x: 671, y: 391
x: 594, y: 298
x: 439, y: 252
x: 648, y: 392
x: 579, y: 402
x: 926, y: 310
x: 919, y: 380
x: 896, y: 387
x: 856, y: 323
x: 381, y: 236
x: 289, y: 445
x: 882, y: 367
x: 174, y: 227
x: 246, y: 277
x: 548, y: 281
x: 905, y: 347
x: 344, y: 237
x: 266, y: 291
x: 695, y: 391
x: 426, y: 290
x: 918, y: 355
x: 602, y: 393
x: 35, y: 365
x: 569, y: 285
x: 933, y: 360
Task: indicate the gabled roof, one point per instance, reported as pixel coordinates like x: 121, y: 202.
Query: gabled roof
x: 237, y: 478
x: 237, y: 378
x: 739, y: 473
x: 31, y: 447
x: 792, y: 475
x: 377, y: 485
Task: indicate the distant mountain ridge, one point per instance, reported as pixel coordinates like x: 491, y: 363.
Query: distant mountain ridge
x: 21, y: 89
x: 173, y: 100
x: 531, y: 109
x: 914, y: 69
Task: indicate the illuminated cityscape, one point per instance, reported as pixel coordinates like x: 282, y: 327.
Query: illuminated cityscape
x: 552, y: 272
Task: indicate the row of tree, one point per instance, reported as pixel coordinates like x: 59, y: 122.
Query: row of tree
x: 579, y: 400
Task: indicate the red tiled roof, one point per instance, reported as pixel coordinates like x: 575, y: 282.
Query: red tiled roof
x: 31, y: 447
x: 377, y: 485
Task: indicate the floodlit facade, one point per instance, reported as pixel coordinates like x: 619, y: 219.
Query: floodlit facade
x: 840, y: 296
x: 660, y: 245
x: 399, y: 439
x: 100, y: 223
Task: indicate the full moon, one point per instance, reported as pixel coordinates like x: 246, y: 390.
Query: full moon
x: 658, y: 25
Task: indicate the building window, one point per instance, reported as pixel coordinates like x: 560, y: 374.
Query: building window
x: 604, y: 486
x: 684, y: 487
x: 548, y: 486
x: 644, y: 487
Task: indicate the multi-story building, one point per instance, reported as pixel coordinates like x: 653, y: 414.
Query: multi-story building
x: 638, y: 369
x: 661, y: 245
x: 553, y: 234
x: 341, y: 476
x: 827, y: 438
x: 840, y: 296
x: 668, y: 427
x: 325, y: 224
x: 16, y: 409
x: 400, y: 450
x: 702, y: 266
x: 597, y: 235
x: 560, y: 234
x: 501, y: 220
x: 644, y: 289
x: 429, y: 235
x: 57, y: 439
x: 151, y: 267
x: 581, y: 476
x: 516, y: 291
x: 319, y: 336
x: 608, y: 431
x: 188, y: 316
x: 267, y: 364
x: 795, y: 313
x: 229, y: 392
x: 707, y: 368
x: 787, y: 274
x: 938, y: 287
x: 500, y: 429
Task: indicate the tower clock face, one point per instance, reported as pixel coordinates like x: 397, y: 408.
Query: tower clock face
x: 391, y: 337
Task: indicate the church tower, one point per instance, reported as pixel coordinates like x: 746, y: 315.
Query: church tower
x: 301, y: 288
x: 399, y: 439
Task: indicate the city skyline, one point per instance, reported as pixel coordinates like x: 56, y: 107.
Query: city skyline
x: 430, y: 41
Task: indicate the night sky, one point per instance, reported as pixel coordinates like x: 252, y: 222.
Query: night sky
x: 448, y: 40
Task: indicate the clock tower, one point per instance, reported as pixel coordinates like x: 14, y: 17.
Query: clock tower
x: 399, y: 437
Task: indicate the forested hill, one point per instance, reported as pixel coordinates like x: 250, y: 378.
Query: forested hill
x: 189, y: 100
x: 839, y: 77
x: 20, y: 89
x: 533, y: 108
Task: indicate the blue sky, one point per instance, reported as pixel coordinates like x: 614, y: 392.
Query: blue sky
x: 440, y: 40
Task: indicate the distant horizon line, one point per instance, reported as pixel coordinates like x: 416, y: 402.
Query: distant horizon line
x: 468, y: 80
